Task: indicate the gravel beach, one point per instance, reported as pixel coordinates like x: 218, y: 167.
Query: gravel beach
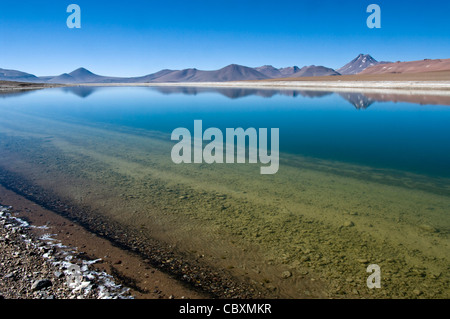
x: 34, y: 267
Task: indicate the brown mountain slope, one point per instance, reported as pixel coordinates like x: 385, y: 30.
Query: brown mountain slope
x: 423, y: 76
x: 426, y: 65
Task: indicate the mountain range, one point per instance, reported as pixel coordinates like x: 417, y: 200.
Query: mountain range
x: 232, y: 72
x: 362, y: 64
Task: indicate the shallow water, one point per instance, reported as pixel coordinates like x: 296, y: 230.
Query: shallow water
x: 360, y: 182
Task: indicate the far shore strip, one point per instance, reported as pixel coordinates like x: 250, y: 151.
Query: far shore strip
x: 441, y: 88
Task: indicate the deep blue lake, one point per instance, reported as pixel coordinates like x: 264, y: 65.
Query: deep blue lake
x: 402, y: 136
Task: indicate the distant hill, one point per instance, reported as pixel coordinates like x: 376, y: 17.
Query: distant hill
x: 269, y: 71
x: 63, y: 79
x: 420, y: 66
x: 313, y: 70
x: 150, y: 77
x: 359, y: 64
x: 86, y: 76
x: 295, y: 71
x: 232, y: 72
x: 186, y: 75
x: 80, y: 75
x: 14, y: 75
x: 289, y: 71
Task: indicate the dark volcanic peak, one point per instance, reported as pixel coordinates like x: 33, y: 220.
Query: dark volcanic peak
x: 358, y: 64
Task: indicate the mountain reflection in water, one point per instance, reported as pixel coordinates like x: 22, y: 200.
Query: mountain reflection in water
x: 359, y: 100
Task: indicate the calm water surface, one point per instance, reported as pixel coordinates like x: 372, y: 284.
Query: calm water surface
x: 360, y: 182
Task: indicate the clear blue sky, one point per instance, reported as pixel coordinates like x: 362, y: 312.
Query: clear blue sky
x: 128, y: 38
